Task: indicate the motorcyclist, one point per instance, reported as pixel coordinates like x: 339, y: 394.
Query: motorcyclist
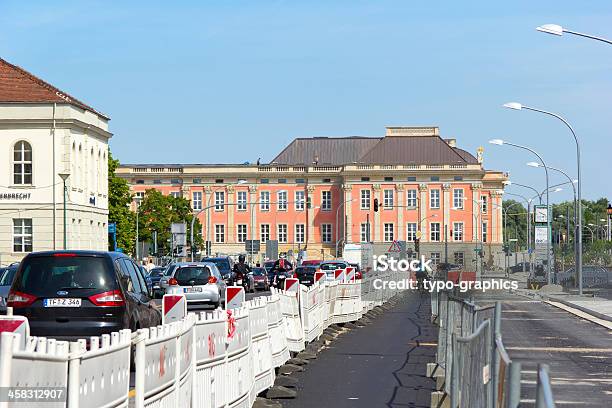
x: 421, y: 276
x: 241, y: 269
x: 280, y: 267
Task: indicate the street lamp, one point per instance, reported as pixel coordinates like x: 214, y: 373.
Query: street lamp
x: 343, y: 223
x: 514, y: 183
x: 519, y: 106
x: 556, y: 29
x: 64, y: 177
x: 609, y: 212
x: 503, y: 142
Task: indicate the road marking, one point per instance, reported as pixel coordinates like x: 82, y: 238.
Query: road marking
x: 416, y: 343
x: 563, y: 349
x: 582, y: 314
x: 532, y: 401
x: 353, y: 398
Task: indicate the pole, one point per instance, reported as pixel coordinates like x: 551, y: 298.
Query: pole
x: 65, y: 232
x: 368, y: 227
x: 529, y: 247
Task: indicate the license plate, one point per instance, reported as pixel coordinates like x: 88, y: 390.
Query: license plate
x: 192, y: 290
x: 239, y: 281
x: 62, y: 302
x: 156, y: 287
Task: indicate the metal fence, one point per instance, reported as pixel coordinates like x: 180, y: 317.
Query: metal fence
x: 478, y: 372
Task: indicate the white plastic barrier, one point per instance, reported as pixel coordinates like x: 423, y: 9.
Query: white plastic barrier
x: 239, y: 371
x: 42, y: 363
x: 331, y: 294
x: 261, y: 357
x: 312, y: 302
x: 277, y: 332
x: 291, y: 316
x: 348, y: 305
x: 100, y: 376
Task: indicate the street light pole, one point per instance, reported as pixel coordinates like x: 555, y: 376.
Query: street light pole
x: 64, y: 177
x: 548, y: 237
x: 518, y: 106
x: 556, y: 29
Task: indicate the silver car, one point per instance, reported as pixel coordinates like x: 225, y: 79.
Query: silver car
x: 6, y: 280
x: 200, y: 282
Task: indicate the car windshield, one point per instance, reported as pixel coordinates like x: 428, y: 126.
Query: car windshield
x: 305, y: 270
x: 259, y: 271
x: 156, y: 273
x: 44, y: 275
x: 192, y: 275
x: 6, y: 276
x: 222, y: 264
x: 332, y: 266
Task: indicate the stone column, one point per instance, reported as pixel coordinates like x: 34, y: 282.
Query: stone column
x: 253, y: 230
x: 422, y: 212
x: 399, y: 188
x: 206, y: 192
x: 445, y: 202
x: 376, y: 191
x: 476, y: 216
x: 348, y: 210
x: 497, y: 224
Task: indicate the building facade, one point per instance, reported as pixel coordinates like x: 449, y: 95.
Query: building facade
x: 46, y: 134
x: 319, y: 193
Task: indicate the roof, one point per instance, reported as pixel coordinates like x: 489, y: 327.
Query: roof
x: 326, y: 150
x: 19, y: 86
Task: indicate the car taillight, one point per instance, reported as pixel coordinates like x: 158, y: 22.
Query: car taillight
x: 212, y: 279
x: 110, y: 298
x: 19, y: 299
x: 64, y: 254
x: 172, y: 281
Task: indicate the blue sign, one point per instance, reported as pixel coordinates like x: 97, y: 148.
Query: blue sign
x: 112, y: 228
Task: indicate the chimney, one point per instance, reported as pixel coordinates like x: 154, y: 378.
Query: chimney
x: 451, y: 142
x: 404, y: 131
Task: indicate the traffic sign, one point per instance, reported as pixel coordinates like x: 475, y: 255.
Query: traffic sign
x: 395, y: 247
x: 319, y: 276
x: 16, y: 324
x: 291, y: 285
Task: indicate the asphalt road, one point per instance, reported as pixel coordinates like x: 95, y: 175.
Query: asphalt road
x: 380, y: 365
x: 578, y: 352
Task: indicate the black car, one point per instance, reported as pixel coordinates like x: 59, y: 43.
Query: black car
x: 306, y: 274
x: 225, y: 264
x: 155, y: 276
x: 77, y: 294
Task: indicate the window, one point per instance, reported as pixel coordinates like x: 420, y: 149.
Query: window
x: 327, y: 180
x: 157, y: 181
x: 365, y: 236
x: 219, y: 200
x: 411, y: 230
x: 484, y: 232
x: 365, y: 179
x: 300, y: 181
x: 434, y: 234
x: 282, y: 233
x: 326, y: 200
x: 484, y: 204
x: 219, y: 181
x: 264, y: 233
x: 241, y: 200
x: 140, y: 181
x: 326, y: 233
x: 176, y: 181
x: 219, y: 233
x: 434, y: 198
x: 299, y: 200
x: 365, y: 199
x: 264, y: 181
x: 388, y: 232
x: 241, y: 233
x: 282, y: 201
x: 282, y: 181
x: 434, y: 178
x: 457, y: 231
x: 22, y: 163
x: 411, y: 178
x: 300, y: 233
x: 196, y: 203
x: 435, y: 258
x: 264, y: 201
x: 139, y: 195
x: 175, y: 194
x: 459, y: 258
x: 22, y: 235
x: 388, y: 178
x: 197, y: 181
x: 458, y: 178
x: 388, y: 198
x: 458, y: 199
x: 411, y: 198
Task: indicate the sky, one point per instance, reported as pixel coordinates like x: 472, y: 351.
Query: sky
x: 231, y: 81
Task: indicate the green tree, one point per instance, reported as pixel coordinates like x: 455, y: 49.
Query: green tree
x: 516, y: 222
x: 119, y: 199
x: 156, y: 214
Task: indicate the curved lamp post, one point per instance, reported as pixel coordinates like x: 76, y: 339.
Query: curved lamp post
x: 556, y: 29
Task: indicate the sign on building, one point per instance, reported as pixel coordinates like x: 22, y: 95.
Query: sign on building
x: 272, y: 249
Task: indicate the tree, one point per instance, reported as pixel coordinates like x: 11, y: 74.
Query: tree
x: 156, y: 214
x: 119, y: 199
x: 516, y: 224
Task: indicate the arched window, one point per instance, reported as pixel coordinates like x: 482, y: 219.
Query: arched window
x: 22, y: 163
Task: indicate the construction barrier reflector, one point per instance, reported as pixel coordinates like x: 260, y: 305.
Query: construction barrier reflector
x: 174, y: 308
x: 234, y: 297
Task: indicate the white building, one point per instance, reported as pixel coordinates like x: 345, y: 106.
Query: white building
x: 44, y: 133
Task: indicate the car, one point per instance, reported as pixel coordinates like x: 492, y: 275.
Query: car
x: 200, y: 282
x: 305, y: 274
x: 69, y: 295
x: 269, y: 265
x: 311, y: 262
x: 225, y: 264
x: 7, y: 274
x: 519, y: 267
x: 155, y: 276
x: 148, y: 281
x: 358, y: 274
x: 260, y: 278
x: 330, y: 266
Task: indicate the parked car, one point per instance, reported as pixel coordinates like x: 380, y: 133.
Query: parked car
x: 7, y: 275
x: 155, y: 276
x: 260, y: 279
x: 225, y: 264
x: 76, y: 294
x: 311, y: 262
x: 519, y: 267
x: 148, y: 281
x: 305, y: 274
x: 200, y: 282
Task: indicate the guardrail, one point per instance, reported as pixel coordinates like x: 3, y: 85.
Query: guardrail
x: 219, y: 359
x: 472, y: 364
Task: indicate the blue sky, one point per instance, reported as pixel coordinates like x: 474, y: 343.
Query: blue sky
x: 231, y: 81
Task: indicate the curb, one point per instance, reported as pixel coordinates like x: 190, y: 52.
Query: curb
x: 581, y: 308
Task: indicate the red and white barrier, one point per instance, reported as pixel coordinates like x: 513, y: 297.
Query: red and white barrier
x: 292, y: 285
x: 339, y: 275
x: 234, y: 297
x: 174, y: 308
x: 320, y: 277
x: 350, y: 274
x: 10, y: 323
